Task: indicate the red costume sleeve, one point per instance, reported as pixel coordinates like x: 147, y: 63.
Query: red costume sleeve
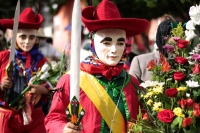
x: 4, y: 58
x: 136, y: 82
x: 56, y: 119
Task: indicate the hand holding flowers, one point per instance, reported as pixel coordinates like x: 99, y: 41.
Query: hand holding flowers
x: 44, y: 80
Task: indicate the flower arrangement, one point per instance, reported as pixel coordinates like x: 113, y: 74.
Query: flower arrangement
x: 172, y: 98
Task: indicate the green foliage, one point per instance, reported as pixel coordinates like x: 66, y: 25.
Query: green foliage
x: 178, y: 31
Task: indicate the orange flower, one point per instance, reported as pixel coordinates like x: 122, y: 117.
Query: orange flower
x: 151, y: 65
x: 166, y: 67
x: 74, y: 119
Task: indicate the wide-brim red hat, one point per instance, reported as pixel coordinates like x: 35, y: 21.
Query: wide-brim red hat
x: 27, y: 19
x: 2, y: 28
x: 106, y: 16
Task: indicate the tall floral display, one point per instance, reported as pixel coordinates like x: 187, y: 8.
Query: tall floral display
x: 171, y: 99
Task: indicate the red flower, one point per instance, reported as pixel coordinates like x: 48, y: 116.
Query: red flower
x: 166, y: 116
x: 181, y: 60
x: 196, y: 69
x: 145, y: 116
x: 186, y: 122
x: 190, y: 102
x: 182, y: 44
x: 151, y: 65
x: 183, y: 103
x: 196, y: 110
x: 172, y: 92
x: 179, y: 76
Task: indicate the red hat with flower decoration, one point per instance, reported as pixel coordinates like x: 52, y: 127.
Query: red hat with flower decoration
x: 106, y: 16
x: 27, y: 19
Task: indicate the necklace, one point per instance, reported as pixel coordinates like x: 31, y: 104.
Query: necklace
x: 111, y: 118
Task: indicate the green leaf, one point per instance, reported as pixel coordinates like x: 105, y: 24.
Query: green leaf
x: 196, y: 93
x: 176, y: 122
x: 180, y: 122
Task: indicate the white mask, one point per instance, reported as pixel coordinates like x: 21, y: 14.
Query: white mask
x: 110, y: 45
x: 26, y: 39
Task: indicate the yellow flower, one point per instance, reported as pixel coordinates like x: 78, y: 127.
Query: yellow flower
x: 146, y: 96
x: 181, y: 88
x: 178, y: 112
x: 149, y: 102
x: 150, y: 89
x: 156, y: 106
x: 149, y: 94
x: 158, y: 89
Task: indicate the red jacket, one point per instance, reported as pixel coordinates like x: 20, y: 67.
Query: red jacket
x: 56, y: 119
x: 4, y: 59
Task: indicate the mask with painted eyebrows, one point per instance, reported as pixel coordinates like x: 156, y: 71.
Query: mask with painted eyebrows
x: 26, y: 39
x: 109, y: 45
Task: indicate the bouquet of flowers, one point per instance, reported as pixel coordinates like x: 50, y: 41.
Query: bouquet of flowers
x: 172, y: 98
x: 48, y: 75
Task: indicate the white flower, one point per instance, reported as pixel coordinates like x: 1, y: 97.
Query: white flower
x: 190, y: 25
x: 161, y: 84
x: 44, y: 76
x: 54, y: 65
x: 149, y: 83
x: 189, y: 34
x: 32, y: 79
x: 191, y: 63
x: 187, y: 94
x: 192, y: 84
x: 195, y: 14
x: 45, y: 68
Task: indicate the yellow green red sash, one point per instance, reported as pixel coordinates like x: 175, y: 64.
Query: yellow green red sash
x: 89, y: 85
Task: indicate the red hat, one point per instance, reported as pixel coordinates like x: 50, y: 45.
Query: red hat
x: 27, y: 19
x: 107, y: 16
x: 2, y: 28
